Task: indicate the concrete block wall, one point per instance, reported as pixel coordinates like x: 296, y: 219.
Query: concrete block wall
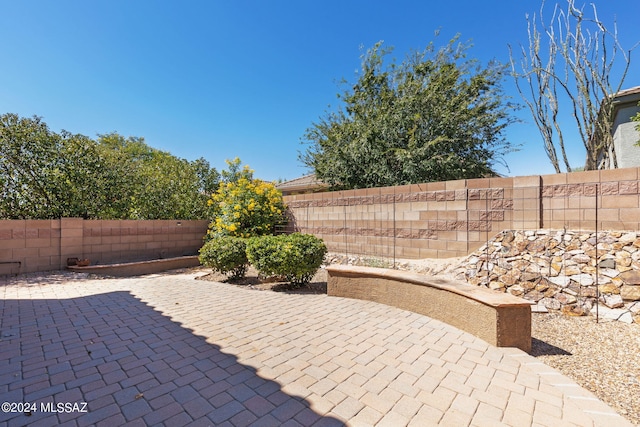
x: 577, y: 200
x: 454, y: 218
x: 41, y: 245
x: 29, y: 245
x: 431, y: 220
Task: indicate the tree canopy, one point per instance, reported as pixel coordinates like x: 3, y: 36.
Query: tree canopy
x: 436, y: 116
x: 44, y: 174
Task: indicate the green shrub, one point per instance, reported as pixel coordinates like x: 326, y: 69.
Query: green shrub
x: 226, y: 255
x: 296, y: 257
x: 264, y: 254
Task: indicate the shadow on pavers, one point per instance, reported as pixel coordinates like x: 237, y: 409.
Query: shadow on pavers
x: 128, y: 363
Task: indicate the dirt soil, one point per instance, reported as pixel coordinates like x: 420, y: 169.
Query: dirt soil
x: 252, y: 280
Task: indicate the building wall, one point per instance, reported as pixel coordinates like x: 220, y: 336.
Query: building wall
x: 41, y: 245
x: 625, y: 137
x: 454, y: 218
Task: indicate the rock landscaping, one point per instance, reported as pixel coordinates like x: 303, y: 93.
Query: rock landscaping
x: 576, y: 273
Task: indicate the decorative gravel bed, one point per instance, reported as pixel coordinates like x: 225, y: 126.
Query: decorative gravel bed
x: 602, y: 357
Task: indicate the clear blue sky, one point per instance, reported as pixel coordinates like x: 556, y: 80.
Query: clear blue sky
x: 220, y: 79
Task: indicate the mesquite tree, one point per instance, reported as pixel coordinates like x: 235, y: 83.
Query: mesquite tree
x: 436, y: 116
x: 570, y: 63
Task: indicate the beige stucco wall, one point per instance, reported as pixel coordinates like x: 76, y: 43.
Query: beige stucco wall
x: 625, y: 137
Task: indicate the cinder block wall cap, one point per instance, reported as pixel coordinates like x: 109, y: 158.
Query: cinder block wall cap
x: 480, y: 294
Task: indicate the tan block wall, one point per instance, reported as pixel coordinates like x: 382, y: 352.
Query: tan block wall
x: 454, y: 218
x: 577, y: 200
x: 431, y: 220
x: 29, y: 245
x: 41, y: 245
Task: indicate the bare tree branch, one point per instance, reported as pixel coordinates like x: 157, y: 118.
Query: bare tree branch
x: 569, y: 65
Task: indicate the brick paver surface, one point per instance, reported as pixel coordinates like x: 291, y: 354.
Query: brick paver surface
x: 170, y: 350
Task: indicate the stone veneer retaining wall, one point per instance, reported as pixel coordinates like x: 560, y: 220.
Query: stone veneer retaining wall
x: 563, y: 270
x: 41, y: 245
x: 454, y: 218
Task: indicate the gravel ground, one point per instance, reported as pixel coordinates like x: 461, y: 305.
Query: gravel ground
x: 602, y: 357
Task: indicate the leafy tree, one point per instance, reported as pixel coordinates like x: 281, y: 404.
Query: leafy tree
x: 23, y: 168
x: 436, y: 116
x: 88, y: 185
x: 48, y: 175
x: 208, y: 177
x: 154, y: 183
x: 569, y: 65
x: 44, y: 174
x: 636, y: 118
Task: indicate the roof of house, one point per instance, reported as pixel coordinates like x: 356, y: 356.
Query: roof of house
x: 629, y: 91
x: 305, y: 183
x: 627, y: 96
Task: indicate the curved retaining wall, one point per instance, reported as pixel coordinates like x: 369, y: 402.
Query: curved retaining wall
x: 500, y: 319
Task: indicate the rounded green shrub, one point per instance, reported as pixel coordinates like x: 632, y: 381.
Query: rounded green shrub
x: 296, y: 257
x: 264, y: 254
x: 226, y: 255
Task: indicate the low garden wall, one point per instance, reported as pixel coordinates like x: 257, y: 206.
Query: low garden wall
x: 139, y: 268
x: 41, y: 245
x: 500, y: 319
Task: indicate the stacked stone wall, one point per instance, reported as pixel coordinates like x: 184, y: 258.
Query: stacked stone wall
x: 576, y: 272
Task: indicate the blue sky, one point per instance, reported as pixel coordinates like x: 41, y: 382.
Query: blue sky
x: 220, y: 79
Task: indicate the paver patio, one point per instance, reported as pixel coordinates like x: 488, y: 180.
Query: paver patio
x: 170, y: 350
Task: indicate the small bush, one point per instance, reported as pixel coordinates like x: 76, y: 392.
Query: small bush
x: 226, y: 255
x: 296, y: 257
x: 264, y: 254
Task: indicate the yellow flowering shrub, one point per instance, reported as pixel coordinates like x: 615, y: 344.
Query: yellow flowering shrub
x: 245, y: 208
